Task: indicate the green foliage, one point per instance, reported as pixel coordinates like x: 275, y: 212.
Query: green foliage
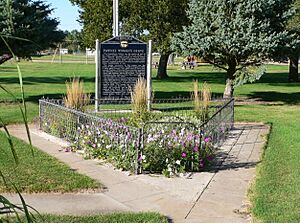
x: 27, y: 27
x: 249, y: 74
x: 96, y: 18
x: 233, y: 34
x: 73, y: 41
x: 146, y: 19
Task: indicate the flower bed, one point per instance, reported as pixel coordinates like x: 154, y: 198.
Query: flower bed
x: 169, y: 144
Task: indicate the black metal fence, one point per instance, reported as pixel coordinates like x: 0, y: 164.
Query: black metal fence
x: 172, y: 124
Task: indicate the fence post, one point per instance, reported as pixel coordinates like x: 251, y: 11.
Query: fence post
x: 139, y: 152
x: 40, y: 117
x: 149, y: 76
x: 232, y: 113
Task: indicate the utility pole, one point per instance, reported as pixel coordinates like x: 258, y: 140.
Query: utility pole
x: 115, y: 18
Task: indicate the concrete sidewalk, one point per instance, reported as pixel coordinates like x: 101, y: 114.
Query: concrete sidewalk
x: 216, y: 196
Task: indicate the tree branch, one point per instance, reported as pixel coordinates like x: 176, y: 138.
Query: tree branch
x: 217, y: 65
x: 248, y: 63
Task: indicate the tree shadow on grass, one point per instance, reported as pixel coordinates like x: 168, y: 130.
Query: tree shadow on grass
x: 274, y: 96
x: 178, y: 94
x: 43, y: 80
x: 209, y: 77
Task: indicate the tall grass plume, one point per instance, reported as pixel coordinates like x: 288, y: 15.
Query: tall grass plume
x: 201, y: 100
x: 139, y: 100
x: 75, y: 97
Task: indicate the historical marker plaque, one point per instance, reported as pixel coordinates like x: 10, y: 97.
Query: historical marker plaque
x: 122, y: 60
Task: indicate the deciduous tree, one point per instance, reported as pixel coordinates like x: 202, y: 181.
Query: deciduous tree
x: 146, y: 19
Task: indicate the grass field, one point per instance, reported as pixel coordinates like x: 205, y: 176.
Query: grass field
x: 106, y: 218
x: 39, y: 173
x: 276, y: 192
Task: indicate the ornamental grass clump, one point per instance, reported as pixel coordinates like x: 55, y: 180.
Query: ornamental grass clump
x: 196, y: 99
x: 75, y: 97
x: 205, y: 99
x: 201, y: 101
x: 139, y: 101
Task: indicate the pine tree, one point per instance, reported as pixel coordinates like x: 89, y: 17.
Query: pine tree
x: 27, y: 28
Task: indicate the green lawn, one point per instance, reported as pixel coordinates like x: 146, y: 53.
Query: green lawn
x: 41, y: 173
x: 106, y: 218
x: 65, y: 58
x: 276, y: 194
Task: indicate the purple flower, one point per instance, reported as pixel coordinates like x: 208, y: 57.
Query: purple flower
x: 210, y: 158
x: 183, y: 154
x: 207, y: 139
x: 196, y: 149
x: 201, y: 164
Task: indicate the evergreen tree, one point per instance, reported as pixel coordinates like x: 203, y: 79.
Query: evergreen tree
x: 234, y: 35
x: 27, y: 28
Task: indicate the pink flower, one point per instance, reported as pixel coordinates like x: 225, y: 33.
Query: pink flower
x: 183, y: 154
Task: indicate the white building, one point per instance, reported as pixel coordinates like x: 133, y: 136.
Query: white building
x: 63, y: 51
x: 90, y: 52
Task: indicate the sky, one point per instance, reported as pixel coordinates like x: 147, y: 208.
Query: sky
x: 66, y: 13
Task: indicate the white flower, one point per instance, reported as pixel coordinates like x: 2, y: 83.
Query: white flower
x: 143, y: 157
x: 83, y: 141
x: 46, y: 124
x: 87, y: 126
x: 177, y: 162
x: 108, y: 146
x: 96, y: 140
x: 167, y: 160
x: 169, y: 169
x: 89, y: 133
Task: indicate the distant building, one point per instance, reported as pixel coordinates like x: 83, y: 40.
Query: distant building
x: 63, y: 51
x: 90, y: 52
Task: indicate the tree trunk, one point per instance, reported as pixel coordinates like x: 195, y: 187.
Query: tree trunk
x: 228, y: 92
x: 293, y: 72
x: 162, y: 66
x: 4, y: 58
